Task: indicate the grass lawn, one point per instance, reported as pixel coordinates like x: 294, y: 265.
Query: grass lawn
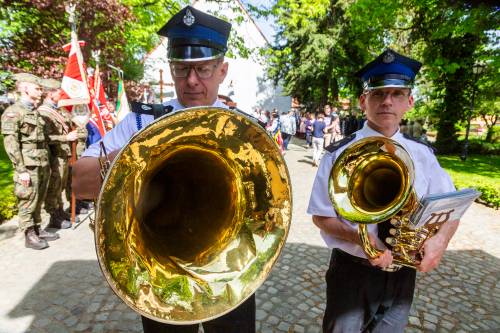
x: 7, y: 199
x: 481, y: 172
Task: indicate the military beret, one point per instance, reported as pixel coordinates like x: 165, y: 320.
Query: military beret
x: 27, y: 77
x: 50, y: 83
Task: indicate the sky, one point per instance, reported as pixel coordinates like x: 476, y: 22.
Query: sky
x: 265, y: 24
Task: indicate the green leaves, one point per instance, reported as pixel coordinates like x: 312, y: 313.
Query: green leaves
x: 32, y: 35
x: 323, y: 43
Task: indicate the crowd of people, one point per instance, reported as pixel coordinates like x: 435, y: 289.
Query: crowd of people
x: 319, y: 128
x: 361, y: 294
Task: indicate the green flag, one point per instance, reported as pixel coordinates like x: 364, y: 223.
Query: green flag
x: 122, y: 107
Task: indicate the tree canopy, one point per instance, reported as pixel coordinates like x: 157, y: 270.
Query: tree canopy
x: 32, y: 33
x: 320, y: 44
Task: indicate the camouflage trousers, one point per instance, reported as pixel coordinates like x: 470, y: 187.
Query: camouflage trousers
x: 30, y: 198
x: 57, y: 183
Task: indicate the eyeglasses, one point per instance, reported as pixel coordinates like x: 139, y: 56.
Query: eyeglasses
x: 380, y: 96
x: 203, y: 71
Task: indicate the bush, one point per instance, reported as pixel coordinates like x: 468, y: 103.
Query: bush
x: 480, y: 147
x: 489, y: 194
x: 8, y: 206
x: 495, y: 134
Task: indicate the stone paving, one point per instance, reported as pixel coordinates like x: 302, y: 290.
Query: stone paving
x: 61, y: 289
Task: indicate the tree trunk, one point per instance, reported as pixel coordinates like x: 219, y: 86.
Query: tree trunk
x: 490, y: 128
x: 335, y: 89
x: 456, y: 104
x: 452, y: 112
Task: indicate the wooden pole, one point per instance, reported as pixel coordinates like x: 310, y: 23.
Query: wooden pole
x: 73, y: 197
x: 71, y: 10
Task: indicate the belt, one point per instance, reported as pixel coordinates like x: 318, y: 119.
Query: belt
x: 41, y: 145
x: 346, y: 257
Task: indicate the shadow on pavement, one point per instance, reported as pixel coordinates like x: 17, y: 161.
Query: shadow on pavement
x: 305, y: 161
x: 462, y: 294
x: 74, y: 297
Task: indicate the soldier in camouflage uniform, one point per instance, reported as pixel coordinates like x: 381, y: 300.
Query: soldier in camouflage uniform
x: 25, y: 141
x: 58, y: 124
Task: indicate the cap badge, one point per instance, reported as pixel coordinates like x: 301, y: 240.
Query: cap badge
x: 188, y: 18
x: 388, y: 57
x: 146, y: 107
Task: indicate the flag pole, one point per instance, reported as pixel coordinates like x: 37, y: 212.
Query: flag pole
x: 119, y: 70
x: 95, y: 92
x: 71, y: 9
x: 122, y: 107
x: 120, y: 77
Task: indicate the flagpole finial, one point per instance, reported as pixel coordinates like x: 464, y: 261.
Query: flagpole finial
x: 96, y: 54
x: 71, y: 10
x: 119, y: 70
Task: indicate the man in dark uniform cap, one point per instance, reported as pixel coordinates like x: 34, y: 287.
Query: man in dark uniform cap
x: 197, y: 44
x: 361, y: 296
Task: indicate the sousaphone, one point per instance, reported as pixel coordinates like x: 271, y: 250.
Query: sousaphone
x: 192, y: 215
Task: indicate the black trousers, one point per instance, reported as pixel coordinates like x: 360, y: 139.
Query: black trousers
x: 363, y: 298
x: 240, y: 320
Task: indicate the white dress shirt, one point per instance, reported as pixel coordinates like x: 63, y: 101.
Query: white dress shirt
x: 120, y: 135
x: 430, y: 178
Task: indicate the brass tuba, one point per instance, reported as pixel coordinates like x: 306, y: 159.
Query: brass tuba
x: 192, y: 215
x: 371, y: 182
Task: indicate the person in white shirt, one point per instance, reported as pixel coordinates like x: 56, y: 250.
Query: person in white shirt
x: 288, y: 127
x: 196, y: 49
x: 361, y: 297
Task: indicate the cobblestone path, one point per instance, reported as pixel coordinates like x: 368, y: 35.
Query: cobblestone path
x: 61, y: 289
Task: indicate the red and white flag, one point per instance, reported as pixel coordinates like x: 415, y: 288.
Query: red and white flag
x: 100, y: 96
x: 97, y: 118
x: 74, y: 82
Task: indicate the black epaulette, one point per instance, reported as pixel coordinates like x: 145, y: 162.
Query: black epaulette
x: 336, y: 145
x: 155, y: 110
x: 431, y: 147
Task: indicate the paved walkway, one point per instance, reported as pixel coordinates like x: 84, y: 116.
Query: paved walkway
x: 61, y: 289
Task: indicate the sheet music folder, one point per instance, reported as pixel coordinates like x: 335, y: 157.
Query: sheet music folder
x: 439, y: 208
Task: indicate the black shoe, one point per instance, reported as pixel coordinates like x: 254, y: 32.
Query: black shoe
x: 80, y: 208
x: 47, y: 235
x: 33, y: 241
x: 67, y: 216
x: 58, y: 223
x: 62, y: 213
x: 87, y: 204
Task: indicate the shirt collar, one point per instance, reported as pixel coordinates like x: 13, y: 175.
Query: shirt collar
x: 367, y: 131
x: 28, y: 104
x: 178, y: 106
